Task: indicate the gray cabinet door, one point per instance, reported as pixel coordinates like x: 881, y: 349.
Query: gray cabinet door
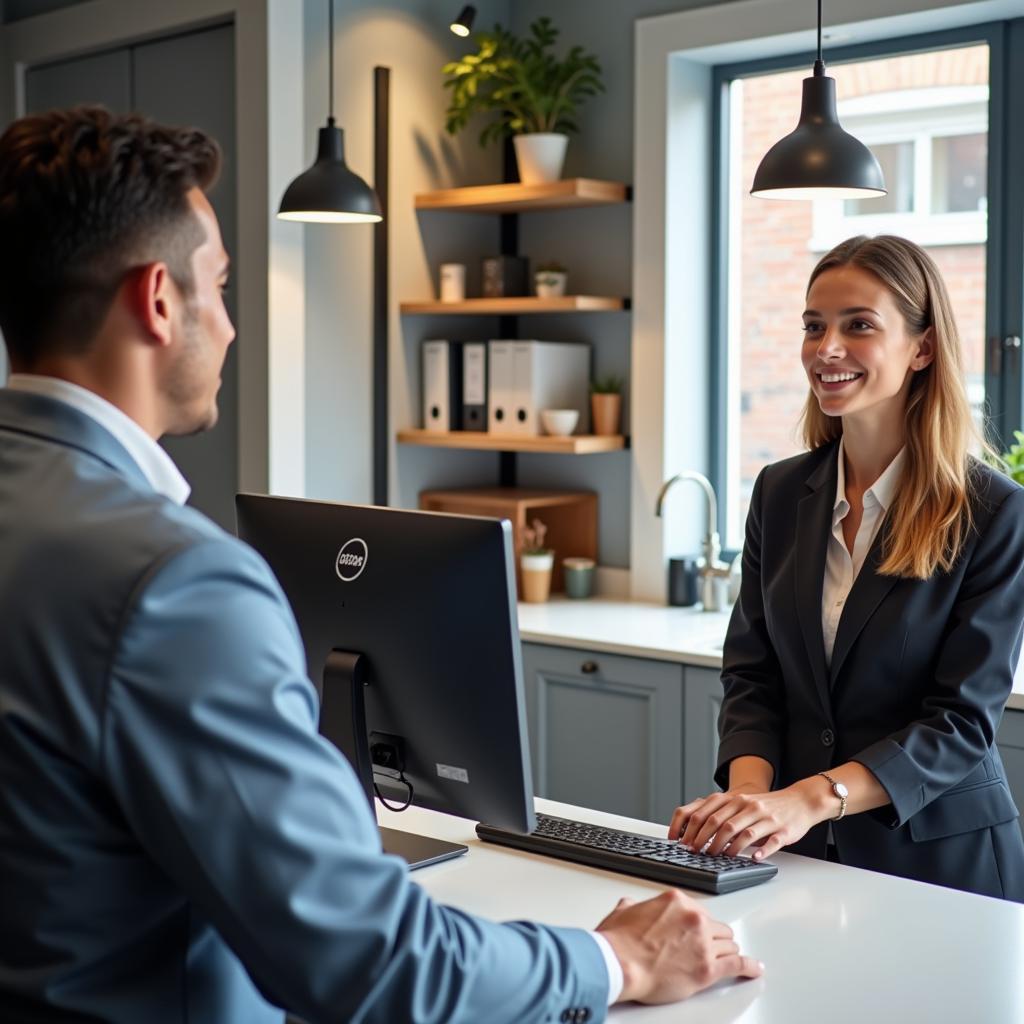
x: 703, y: 692
x: 606, y: 731
x: 1010, y: 740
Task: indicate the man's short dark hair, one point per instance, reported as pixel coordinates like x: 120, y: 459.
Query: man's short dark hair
x: 85, y: 196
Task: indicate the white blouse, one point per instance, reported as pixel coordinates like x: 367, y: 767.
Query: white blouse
x: 841, y: 568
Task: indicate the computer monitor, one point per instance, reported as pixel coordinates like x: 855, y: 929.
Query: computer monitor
x: 411, y: 636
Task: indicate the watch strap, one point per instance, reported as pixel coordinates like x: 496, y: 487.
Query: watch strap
x: 835, y: 789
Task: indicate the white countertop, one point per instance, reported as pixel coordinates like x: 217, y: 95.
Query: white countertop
x: 643, y: 630
x: 839, y: 944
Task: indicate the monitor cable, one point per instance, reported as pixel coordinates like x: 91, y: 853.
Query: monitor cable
x: 394, y: 776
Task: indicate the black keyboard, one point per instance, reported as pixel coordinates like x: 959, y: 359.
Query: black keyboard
x: 659, y: 860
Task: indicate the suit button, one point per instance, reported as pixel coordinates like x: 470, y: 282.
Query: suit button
x: 584, y: 1016
x: 827, y: 737
x: 567, y: 1015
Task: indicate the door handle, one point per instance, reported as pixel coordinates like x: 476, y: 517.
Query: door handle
x: 1008, y: 344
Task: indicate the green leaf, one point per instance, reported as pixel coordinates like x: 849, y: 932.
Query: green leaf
x: 520, y: 83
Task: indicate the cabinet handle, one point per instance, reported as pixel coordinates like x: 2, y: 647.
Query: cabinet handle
x: 588, y: 668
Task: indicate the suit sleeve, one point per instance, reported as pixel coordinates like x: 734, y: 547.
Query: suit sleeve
x: 211, y: 748
x: 973, y: 678
x: 751, y: 721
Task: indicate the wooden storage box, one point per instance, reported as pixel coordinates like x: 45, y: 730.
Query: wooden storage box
x: 570, y: 516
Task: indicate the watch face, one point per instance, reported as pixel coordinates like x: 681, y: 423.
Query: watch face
x: 841, y: 791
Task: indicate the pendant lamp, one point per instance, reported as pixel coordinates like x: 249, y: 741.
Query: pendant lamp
x: 330, y: 193
x: 818, y: 160
x: 463, y: 24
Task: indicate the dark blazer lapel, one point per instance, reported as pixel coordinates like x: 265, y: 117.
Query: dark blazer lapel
x: 813, y: 526
x: 868, y: 591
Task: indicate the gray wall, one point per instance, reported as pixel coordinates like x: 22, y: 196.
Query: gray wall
x: 16, y: 10
x: 412, y: 37
x: 595, y: 244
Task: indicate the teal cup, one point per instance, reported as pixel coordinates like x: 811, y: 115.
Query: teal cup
x: 578, y: 574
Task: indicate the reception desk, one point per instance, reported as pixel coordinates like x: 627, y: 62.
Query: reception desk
x: 840, y: 945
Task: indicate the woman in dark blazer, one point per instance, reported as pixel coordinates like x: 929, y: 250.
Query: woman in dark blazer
x: 873, y: 645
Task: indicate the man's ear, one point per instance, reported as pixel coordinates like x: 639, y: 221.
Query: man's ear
x: 154, y: 294
x: 925, y: 350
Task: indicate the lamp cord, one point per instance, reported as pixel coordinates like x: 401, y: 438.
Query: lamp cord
x: 330, y: 58
x: 819, y: 64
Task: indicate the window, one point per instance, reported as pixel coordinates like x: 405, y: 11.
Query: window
x: 925, y: 116
x: 932, y: 144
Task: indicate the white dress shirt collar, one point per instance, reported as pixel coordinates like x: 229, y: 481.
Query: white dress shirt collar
x: 156, y: 465
x: 880, y: 493
x: 842, y: 567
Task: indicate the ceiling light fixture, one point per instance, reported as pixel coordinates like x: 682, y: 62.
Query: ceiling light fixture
x: 818, y: 160
x: 330, y: 193
x: 463, y: 24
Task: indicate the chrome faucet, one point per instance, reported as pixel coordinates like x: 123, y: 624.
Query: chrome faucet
x: 713, y: 572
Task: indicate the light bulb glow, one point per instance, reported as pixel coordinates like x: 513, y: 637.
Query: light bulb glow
x: 329, y: 217
x: 824, y: 192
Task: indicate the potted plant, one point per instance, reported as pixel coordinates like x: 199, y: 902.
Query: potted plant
x: 606, y: 404
x: 549, y: 279
x: 1014, y: 458
x: 532, y: 93
x: 536, y: 563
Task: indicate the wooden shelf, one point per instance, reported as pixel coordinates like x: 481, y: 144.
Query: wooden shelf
x: 581, y: 444
x: 518, y: 305
x: 518, y: 198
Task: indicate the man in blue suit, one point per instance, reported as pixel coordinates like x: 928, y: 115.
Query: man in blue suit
x: 177, y: 843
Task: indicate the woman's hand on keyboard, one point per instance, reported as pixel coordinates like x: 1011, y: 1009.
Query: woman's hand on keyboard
x: 730, y: 822
x: 670, y: 948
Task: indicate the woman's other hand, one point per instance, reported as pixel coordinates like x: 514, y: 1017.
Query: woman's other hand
x: 745, y: 816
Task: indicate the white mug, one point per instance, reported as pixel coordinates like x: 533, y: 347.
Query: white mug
x: 453, y: 282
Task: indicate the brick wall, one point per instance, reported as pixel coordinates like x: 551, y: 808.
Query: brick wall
x: 776, y: 260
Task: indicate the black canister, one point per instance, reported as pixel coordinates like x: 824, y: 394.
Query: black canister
x: 682, y: 581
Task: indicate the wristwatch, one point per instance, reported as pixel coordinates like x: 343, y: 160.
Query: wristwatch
x: 840, y: 791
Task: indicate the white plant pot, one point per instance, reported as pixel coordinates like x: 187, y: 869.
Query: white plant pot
x: 540, y: 156
x: 550, y: 283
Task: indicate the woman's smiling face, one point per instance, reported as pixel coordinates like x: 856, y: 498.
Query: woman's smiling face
x: 857, y: 352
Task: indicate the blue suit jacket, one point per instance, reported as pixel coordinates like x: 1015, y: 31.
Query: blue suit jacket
x: 918, y: 679
x: 177, y: 843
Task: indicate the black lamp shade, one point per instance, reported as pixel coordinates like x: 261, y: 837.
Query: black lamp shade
x: 463, y: 24
x: 329, y: 193
x: 818, y: 160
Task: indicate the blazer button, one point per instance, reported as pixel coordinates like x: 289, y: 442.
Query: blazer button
x: 567, y: 1015
x: 583, y: 1016
x: 827, y: 737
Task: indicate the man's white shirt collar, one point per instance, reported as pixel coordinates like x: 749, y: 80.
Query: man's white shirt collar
x: 156, y: 465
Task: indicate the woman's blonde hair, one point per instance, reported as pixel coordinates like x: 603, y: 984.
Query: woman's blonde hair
x: 930, y: 518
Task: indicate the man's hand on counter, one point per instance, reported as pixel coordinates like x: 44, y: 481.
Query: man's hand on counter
x: 670, y: 948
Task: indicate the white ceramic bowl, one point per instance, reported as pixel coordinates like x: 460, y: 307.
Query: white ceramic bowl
x: 560, y: 422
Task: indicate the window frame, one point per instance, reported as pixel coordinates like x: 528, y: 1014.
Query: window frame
x: 1004, y: 246
x: 962, y: 110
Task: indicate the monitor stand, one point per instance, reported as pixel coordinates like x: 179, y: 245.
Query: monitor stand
x: 343, y: 722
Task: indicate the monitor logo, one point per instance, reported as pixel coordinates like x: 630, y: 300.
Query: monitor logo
x: 352, y: 559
